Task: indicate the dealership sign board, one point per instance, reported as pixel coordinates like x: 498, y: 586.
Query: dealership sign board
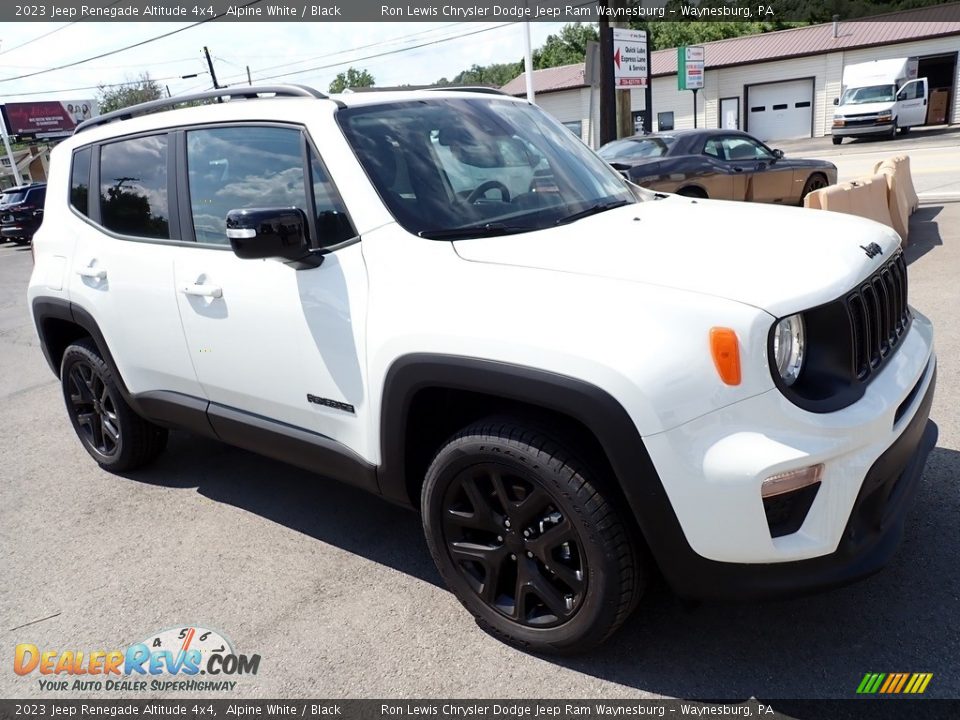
x: 630, y: 58
x: 690, y: 67
x: 48, y: 119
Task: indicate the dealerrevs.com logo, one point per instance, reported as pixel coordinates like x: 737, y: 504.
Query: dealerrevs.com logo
x: 197, y: 659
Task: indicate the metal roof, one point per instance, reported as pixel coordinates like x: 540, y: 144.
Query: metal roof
x: 891, y: 28
x: 555, y: 78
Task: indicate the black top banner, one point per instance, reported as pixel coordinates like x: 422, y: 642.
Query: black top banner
x: 478, y: 11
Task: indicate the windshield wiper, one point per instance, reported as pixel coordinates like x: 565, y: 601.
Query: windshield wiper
x: 473, y: 231
x: 592, y: 210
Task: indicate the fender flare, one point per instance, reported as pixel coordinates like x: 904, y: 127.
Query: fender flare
x: 45, y: 308
x: 588, y: 404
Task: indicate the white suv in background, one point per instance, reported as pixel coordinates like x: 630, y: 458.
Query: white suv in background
x: 447, y: 299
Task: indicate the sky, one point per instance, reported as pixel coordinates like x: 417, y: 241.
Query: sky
x: 269, y: 48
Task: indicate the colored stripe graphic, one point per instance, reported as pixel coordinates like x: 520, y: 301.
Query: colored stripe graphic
x: 894, y: 683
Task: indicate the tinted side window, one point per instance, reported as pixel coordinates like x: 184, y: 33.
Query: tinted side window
x: 242, y: 167
x: 333, y: 225
x: 80, y: 181
x: 133, y: 187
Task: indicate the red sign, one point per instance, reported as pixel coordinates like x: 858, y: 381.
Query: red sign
x: 48, y: 118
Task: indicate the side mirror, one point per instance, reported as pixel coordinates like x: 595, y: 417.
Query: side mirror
x: 259, y: 233
x: 778, y: 154
x: 836, y: 101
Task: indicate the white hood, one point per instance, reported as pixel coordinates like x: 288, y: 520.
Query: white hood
x: 864, y: 108
x: 779, y: 259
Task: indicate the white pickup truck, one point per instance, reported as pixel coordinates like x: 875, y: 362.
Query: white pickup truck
x: 878, y: 97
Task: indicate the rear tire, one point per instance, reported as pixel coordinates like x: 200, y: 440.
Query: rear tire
x: 527, y: 540
x: 816, y: 181
x: 108, y: 428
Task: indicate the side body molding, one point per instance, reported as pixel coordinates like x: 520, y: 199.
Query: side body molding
x: 295, y: 446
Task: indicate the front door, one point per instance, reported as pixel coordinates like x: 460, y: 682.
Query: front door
x: 912, y: 103
x: 271, y: 342
x: 730, y: 113
x: 767, y: 181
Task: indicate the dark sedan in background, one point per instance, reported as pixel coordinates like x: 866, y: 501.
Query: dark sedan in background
x: 21, y: 212
x: 718, y: 164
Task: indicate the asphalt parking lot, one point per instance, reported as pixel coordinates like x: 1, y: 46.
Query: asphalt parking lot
x: 336, y: 590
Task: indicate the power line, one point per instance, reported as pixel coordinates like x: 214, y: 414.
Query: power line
x: 39, y: 37
x: 360, y: 47
x: 96, y: 87
x: 123, y: 49
x: 382, y: 54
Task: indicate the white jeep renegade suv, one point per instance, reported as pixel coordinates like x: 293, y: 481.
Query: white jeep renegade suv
x: 447, y: 299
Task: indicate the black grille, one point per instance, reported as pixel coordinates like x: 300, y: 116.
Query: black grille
x: 879, y: 316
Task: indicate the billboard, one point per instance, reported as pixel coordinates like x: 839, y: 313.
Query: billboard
x: 47, y: 119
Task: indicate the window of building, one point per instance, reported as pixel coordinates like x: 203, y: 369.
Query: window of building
x: 665, y: 121
x: 133, y: 187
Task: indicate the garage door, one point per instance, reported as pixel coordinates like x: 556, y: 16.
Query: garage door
x: 780, y: 111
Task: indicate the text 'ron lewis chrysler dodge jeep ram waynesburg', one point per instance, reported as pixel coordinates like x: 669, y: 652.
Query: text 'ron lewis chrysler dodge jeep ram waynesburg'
x: 447, y: 299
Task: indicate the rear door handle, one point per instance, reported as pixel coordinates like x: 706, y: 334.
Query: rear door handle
x: 93, y: 273
x: 210, y: 291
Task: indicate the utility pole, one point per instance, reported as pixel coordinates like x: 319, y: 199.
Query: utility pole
x: 249, y: 81
x: 608, y: 95
x: 213, y: 74
x: 13, y: 163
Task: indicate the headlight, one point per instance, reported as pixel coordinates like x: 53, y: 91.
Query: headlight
x: 885, y: 114
x: 789, y: 347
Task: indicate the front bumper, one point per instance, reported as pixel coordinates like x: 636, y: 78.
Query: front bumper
x: 871, y: 535
x: 873, y: 452
x: 855, y: 130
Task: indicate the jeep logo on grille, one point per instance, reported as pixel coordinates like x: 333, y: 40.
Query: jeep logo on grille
x: 872, y: 250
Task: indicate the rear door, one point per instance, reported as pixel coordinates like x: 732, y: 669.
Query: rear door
x: 912, y: 103
x: 127, y: 236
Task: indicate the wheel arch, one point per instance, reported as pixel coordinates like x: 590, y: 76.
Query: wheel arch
x: 416, y: 384
x: 59, y: 323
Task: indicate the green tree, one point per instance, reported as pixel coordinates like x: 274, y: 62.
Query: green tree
x: 143, y: 89
x: 351, y: 78
x: 567, y: 48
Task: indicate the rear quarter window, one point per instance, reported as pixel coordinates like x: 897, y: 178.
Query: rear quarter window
x: 80, y: 182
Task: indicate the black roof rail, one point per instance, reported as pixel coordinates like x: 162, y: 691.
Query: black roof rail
x: 471, y: 88
x: 248, y: 92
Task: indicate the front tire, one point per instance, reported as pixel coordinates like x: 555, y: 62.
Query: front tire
x: 527, y: 540
x: 108, y: 428
x: 837, y: 140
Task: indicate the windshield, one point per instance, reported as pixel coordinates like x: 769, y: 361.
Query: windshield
x: 637, y: 148
x: 870, y: 94
x: 472, y: 167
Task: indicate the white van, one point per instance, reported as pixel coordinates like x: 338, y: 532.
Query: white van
x: 878, y: 97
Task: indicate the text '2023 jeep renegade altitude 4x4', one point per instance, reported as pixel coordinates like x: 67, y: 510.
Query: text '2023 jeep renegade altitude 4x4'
x: 447, y: 299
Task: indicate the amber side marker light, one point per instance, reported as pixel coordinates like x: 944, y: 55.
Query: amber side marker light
x: 790, y: 481
x: 726, y: 354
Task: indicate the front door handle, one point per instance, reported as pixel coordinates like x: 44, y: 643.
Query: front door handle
x: 738, y: 169
x: 93, y: 273
x: 210, y: 291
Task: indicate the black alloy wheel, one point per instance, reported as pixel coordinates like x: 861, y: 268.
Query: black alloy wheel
x: 513, y: 546
x: 529, y: 535
x: 108, y: 428
x: 93, y: 409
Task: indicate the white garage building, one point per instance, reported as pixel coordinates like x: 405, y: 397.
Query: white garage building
x: 776, y: 85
